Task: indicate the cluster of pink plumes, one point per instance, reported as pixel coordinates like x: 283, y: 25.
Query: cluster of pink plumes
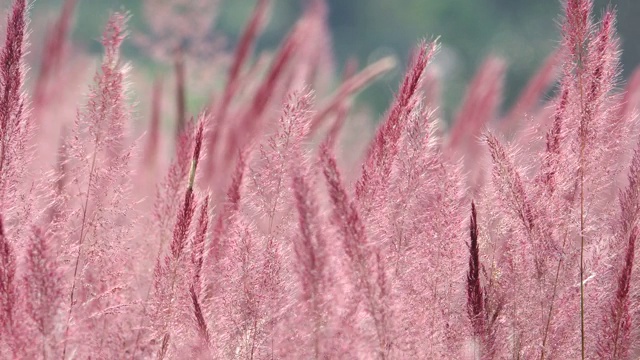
x: 270, y: 226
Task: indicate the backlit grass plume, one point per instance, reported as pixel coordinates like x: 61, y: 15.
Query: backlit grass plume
x: 269, y: 225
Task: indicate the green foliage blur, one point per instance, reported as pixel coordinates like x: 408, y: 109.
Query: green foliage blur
x: 521, y: 31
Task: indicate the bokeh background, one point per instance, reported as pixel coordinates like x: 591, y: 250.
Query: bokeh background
x: 523, y: 32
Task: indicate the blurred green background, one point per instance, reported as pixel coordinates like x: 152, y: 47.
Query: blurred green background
x: 521, y: 31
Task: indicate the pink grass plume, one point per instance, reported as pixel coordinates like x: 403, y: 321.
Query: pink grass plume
x: 98, y: 143
x: 168, y: 273
x: 56, y: 45
x: 475, y: 298
x: 13, y: 123
x: 384, y: 147
x: 615, y: 340
x: 480, y: 104
x: 234, y: 81
x: 241, y: 55
x: 183, y: 222
x: 533, y: 92
x: 352, y: 85
x: 43, y: 290
x: 250, y: 120
x: 198, y: 244
x: 8, y: 287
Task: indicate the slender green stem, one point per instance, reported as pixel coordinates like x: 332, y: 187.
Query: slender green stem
x: 80, y: 241
x: 582, y: 261
x: 580, y: 48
